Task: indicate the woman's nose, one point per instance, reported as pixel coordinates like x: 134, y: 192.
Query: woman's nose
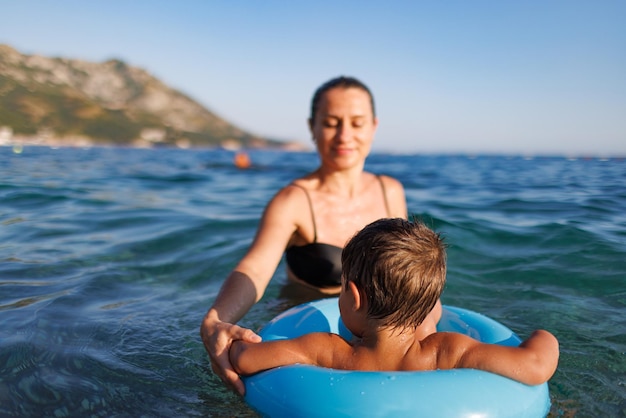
x: 344, y: 132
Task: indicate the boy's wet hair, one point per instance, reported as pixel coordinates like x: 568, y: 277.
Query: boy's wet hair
x: 341, y: 82
x: 399, y: 266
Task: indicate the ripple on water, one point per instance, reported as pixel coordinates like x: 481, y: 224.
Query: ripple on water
x: 109, y: 259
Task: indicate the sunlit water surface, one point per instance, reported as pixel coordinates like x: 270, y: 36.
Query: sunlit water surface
x: 109, y: 258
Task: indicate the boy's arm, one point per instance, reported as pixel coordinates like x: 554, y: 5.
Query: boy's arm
x: 250, y: 358
x: 532, y: 363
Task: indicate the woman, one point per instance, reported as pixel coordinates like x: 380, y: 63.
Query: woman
x: 310, y: 219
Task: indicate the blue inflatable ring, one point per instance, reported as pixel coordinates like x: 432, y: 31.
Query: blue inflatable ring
x: 308, y: 391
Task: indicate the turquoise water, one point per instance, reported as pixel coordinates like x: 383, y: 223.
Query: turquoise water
x: 109, y: 258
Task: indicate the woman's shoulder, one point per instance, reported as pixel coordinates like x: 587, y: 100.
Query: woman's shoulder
x: 291, y: 197
x: 390, y: 183
x: 394, y: 195
x: 297, y: 189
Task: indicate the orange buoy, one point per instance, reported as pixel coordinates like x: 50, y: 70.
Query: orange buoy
x: 242, y: 160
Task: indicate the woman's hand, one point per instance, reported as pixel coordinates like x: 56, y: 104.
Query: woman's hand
x: 217, y: 337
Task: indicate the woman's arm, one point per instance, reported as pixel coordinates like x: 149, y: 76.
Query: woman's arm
x: 217, y: 334
x: 247, y: 283
x: 533, y: 362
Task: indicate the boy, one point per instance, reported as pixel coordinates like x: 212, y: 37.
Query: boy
x: 393, y: 275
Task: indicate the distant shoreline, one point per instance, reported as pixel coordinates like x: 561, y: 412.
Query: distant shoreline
x: 18, y: 148
x: 84, y: 142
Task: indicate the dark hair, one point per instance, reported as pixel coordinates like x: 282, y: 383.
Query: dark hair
x: 341, y: 82
x: 399, y: 266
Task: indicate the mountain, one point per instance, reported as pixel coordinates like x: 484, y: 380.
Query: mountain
x: 59, y: 101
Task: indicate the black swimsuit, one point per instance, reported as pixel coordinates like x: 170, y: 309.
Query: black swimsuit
x: 316, y: 263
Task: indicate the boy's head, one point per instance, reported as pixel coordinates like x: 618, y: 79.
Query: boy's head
x: 399, y: 267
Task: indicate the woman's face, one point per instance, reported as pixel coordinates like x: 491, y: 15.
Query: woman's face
x: 344, y: 127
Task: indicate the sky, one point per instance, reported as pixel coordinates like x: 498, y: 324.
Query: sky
x: 536, y: 77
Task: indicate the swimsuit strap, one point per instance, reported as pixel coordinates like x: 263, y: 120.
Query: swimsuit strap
x: 306, y: 193
x: 382, y: 186
x: 311, y: 208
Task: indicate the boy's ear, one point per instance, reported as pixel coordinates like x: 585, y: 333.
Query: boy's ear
x: 356, y: 296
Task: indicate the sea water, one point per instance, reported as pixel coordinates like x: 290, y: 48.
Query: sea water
x: 109, y: 259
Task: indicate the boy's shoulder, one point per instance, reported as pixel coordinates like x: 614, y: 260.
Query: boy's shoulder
x: 447, y: 347
x: 324, y: 339
x: 326, y: 349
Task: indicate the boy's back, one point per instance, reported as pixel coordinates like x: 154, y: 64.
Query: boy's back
x: 532, y: 363
x: 393, y: 275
